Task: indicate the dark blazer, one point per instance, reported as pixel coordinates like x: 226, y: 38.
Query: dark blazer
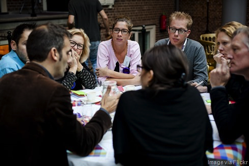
x: 171, y: 128
x: 37, y: 123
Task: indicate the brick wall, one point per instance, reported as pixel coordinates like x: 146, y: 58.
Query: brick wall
x: 148, y: 12
x: 198, y: 11
x: 14, y: 6
x: 141, y: 12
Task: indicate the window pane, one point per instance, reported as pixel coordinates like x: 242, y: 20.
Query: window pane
x: 147, y: 41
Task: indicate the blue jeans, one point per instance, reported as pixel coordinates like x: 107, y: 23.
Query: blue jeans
x: 93, y: 55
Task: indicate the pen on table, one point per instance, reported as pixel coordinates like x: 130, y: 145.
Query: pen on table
x: 199, y: 84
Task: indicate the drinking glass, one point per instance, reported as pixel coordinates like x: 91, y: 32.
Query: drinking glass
x: 114, y: 88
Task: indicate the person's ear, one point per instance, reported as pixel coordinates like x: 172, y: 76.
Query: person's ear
x: 150, y: 75
x: 54, y: 54
x: 13, y: 45
x: 188, y: 32
x: 130, y: 35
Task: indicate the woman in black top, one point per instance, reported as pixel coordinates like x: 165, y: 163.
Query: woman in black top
x: 166, y: 122
x: 78, y: 75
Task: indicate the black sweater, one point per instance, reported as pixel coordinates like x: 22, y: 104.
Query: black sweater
x: 171, y: 128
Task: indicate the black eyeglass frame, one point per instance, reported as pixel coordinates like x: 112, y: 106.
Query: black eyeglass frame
x: 180, y: 31
x: 139, y: 68
x: 123, y: 31
x: 73, y: 43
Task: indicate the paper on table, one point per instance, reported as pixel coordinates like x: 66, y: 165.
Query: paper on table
x: 79, y: 93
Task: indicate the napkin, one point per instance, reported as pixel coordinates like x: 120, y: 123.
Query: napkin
x: 79, y: 93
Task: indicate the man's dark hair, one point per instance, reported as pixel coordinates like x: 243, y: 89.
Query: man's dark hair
x: 45, y: 37
x: 18, y: 31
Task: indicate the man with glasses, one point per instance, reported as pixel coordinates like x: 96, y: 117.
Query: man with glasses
x: 85, y: 15
x: 179, y: 29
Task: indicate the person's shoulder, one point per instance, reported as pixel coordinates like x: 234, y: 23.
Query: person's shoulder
x: 193, y: 43
x: 162, y: 42
x: 130, y: 96
x: 133, y: 43
x: 106, y: 43
x: 7, y: 61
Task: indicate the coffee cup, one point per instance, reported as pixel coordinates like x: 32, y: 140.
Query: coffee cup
x: 91, y: 96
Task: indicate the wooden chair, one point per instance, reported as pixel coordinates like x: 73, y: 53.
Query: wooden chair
x: 208, y: 42
x: 4, y: 49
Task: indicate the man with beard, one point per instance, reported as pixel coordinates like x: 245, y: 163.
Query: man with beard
x: 17, y: 57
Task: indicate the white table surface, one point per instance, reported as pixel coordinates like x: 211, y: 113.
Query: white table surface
x: 108, y: 160
x: 107, y: 144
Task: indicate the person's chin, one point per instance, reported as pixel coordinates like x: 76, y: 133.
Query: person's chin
x: 59, y: 76
x: 232, y: 69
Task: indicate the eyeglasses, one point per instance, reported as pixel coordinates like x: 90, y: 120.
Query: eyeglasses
x: 79, y: 46
x: 180, y: 31
x: 139, y: 68
x: 123, y: 31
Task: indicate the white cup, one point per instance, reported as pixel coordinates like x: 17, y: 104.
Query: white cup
x: 91, y: 95
x: 129, y: 87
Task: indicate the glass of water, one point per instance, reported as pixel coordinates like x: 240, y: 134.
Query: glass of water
x: 114, y: 88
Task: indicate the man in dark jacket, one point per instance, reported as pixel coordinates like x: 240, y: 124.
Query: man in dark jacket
x: 37, y: 123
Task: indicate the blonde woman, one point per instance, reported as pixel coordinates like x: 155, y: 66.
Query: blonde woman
x: 223, y: 42
x: 78, y: 75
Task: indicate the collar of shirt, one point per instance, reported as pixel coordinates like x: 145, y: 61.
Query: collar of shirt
x: 50, y: 76
x: 184, y: 44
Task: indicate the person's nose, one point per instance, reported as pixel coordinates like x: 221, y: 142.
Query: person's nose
x: 74, y: 47
x: 220, y: 48
x: 176, y: 33
x: 120, y: 33
x: 230, y: 54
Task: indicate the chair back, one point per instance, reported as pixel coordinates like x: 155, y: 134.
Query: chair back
x: 4, y: 49
x: 208, y: 42
x: 208, y: 37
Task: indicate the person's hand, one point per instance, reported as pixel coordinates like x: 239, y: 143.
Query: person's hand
x: 202, y: 89
x: 109, y: 103
x: 77, y: 57
x: 220, y: 75
x: 194, y: 84
x: 102, y: 72
x: 218, y: 57
x: 73, y: 62
x: 136, y: 80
